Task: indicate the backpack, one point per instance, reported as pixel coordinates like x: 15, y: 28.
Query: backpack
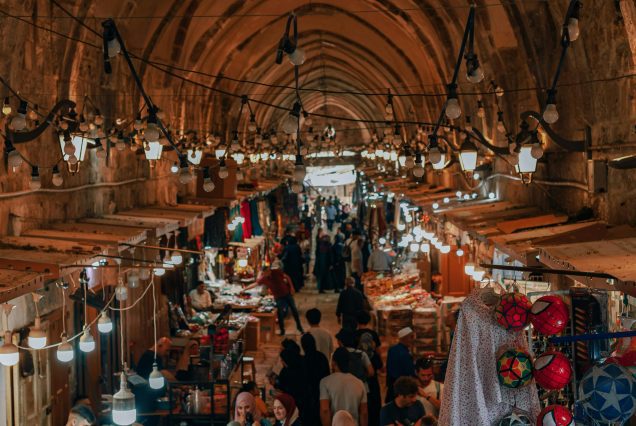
x: 346, y: 252
x: 367, y: 344
x: 355, y: 365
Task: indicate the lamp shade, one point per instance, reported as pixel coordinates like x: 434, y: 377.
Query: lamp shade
x: 104, y: 323
x: 65, y: 351
x: 468, y: 156
x: 154, y: 151
x: 527, y: 163
x: 9, y: 354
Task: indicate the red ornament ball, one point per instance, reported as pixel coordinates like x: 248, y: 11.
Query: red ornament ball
x: 552, y: 370
x: 513, y: 311
x: 514, y: 368
x: 555, y: 415
x: 549, y: 315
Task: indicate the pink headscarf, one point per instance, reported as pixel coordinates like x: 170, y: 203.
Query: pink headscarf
x: 244, y: 398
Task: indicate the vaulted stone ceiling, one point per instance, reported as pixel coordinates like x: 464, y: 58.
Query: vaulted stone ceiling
x: 369, y: 46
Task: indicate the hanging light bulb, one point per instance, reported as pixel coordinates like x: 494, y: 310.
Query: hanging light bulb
x: 9, y: 354
x: 124, y: 411
x: 573, y: 23
x: 87, y: 342
x: 492, y: 195
x: 6, y: 107
x: 537, y: 150
x: 133, y: 279
x: 459, y: 252
x: 65, y: 352
x: 453, y: 110
x: 550, y: 113
x: 418, y: 168
x: 208, y: 185
x: 159, y: 271
x: 474, y: 71
x: 152, y: 132
x: 174, y: 168
x: 144, y: 273
x: 35, y: 183
x: 445, y: 249
x: 299, y: 169
x: 121, y: 292
x: 223, y: 171
x: 57, y: 178
x: 469, y: 268
x: 18, y: 123
x: 176, y: 258
x: 414, y: 247
x: 435, y: 206
x: 37, y: 336
x: 446, y: 200
x: 14, y: 160
x: 290, y: 123
x: 104, y: 323
x: 156, y: 379
x: 252, y: 124
x: 425, y: 248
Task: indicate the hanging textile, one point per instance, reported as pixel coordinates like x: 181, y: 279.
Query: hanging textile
x: 214, y: 229
x: 472, y: 394
x: 246, y: 213
x: 256, y: 224
x: 237, y: 235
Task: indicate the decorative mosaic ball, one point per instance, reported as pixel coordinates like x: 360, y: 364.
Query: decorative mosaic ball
x: 552, y: 370
x: 549, y: 315
x: 555, y: 415
x: 608, y: 393
x: 514, y: 368
x: 513, y: 311
x: 515, y: 419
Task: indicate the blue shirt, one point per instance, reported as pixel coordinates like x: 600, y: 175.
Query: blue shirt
x: 399, y: 362
x: 331, y: 212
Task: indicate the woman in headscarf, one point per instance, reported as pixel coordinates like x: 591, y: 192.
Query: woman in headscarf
x: 339, y: 267
x: 292, y: 379
x: 317, y: 368
x: 324, y: 264
x: 285, y: 411
x: 245, y: 412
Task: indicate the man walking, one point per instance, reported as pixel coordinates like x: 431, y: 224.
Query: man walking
x: 282, y: 288
x: 350, y: 302
x: 399, y: 361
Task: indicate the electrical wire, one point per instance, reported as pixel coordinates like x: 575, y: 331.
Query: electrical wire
x: 136, y: 301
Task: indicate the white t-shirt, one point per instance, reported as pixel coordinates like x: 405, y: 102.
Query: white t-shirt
x: 433, y: 389
x: 200, y: 301
x: 344, y: 391
x: 324, y: 341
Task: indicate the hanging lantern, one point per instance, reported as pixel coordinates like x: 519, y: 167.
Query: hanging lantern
x: 195, y: 156
x: 153, y: 151
x: 73, y: 149
x: 527, y: 164
x: 468, y: 156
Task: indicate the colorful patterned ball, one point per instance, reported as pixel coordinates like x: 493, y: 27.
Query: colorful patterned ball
x: 549, y: 315
x: 555, y: 415
x: 552, y: 370
x: 514, y: 368
x: 513, y: 311
x: 515, y: 419
x: 608, y: 393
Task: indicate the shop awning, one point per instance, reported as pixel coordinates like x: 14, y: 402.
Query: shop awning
x: 213, y: 202
x: 155, y: 228
x: 510, y: 226
x: 117, y: 238
x: 17, y: 283
x: 53, y: 264
x: 523, y: 246
x: 616, y: 257
x: 187, y: 215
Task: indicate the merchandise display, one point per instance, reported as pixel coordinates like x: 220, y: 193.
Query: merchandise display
x: 555, y: 415
x: 514, y: 368
x: 472, y: 394
x: 608, y: 393
x: 552, y: 370
x: 549, y: 315
x: 377, y: 284
x: 513, y: 311
x: 516, y: 419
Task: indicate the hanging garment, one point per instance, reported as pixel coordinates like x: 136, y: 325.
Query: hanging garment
x: 472, y: 394
x: 246, y: 213
x: 257, y: 230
